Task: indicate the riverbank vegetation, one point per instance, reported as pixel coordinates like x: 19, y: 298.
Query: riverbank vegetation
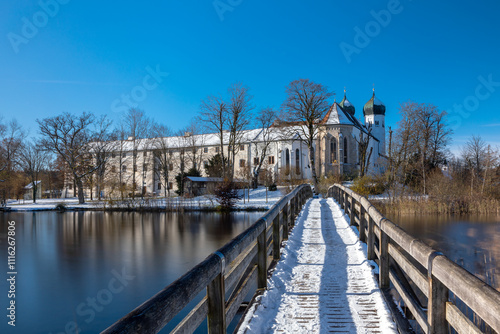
x: 422, y: 176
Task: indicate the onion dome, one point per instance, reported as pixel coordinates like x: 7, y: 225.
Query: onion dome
x: 374, y: 106
x: 347, y: 105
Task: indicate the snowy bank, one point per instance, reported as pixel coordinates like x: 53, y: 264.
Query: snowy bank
x: 254, y: 200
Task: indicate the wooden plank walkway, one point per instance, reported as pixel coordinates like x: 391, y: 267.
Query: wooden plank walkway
x: 323, y: 282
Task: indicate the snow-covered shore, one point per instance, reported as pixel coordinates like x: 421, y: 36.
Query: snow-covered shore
x: 257, y: 202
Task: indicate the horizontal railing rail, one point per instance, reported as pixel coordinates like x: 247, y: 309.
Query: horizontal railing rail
x: 407, y: 262
x: 230, y: 271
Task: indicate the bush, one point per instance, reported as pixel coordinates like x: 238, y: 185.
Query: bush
x: 368, y: 185
x: 326, y: 182
x: 226, y: 194
x: 61, y: 206
x: 273, y: 187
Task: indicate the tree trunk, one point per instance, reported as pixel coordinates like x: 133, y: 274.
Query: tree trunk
x: 34, y: 192
x: 313, y: 168
x: 81, y: 198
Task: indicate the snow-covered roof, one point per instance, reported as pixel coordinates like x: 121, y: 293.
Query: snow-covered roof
x: 336, y: 116
x: 30, y: 186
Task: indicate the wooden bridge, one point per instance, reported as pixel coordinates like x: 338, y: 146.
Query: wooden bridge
x: 441, y: 296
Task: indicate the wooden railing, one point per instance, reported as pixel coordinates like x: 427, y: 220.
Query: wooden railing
x: 407, y: 262
x: 230, y: 271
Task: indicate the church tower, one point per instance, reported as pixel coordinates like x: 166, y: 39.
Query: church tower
x: 374, y: 112
x: 347, y: 105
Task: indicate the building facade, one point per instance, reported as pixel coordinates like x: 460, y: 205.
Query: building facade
x: 138, y: 163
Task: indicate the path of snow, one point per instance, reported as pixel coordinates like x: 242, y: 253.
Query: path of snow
x: 323, y: 282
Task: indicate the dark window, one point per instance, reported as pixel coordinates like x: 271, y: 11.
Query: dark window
x: 271, y: 159
x: 145, y: 168
x: 345, y: 150
x: 170, y: 185
x: 333, y: 151
x: 205, y: 164
x: 297, y: 161
x: 287, y: 158
x: 170, y: 167
x: 124, y: 169
x: 256, y: 160
x: 376, y: 123
x: 242, y: 162
x: 205, y: 150
x: 145, y: 153
x: 113, y: 155
x: 242, y: 147
x: 124, y: 155
x: 159, y: 186
x: 217, y: 149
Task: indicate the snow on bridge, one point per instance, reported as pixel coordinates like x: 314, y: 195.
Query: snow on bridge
x: 323, y: 282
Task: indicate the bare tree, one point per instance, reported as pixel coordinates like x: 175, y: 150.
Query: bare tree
x: 420, y: 143
x: 103, y: 144
x: 238, y: 120
x: 364, y: 154
x: 305, y: 106
x: 213, y: 115
x: 11, y: 139
x: 137, y: 126
x: 70, y: 137
x: 195, y: 140
x: 163, y: 154
x: 265, y: 121
x: 33, y: 160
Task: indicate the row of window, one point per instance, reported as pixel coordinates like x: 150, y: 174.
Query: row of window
x: 145, y: 153
x: 256, y: 160
x: 376, y: 123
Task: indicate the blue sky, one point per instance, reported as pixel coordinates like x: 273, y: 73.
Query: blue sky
x: 87, y: 55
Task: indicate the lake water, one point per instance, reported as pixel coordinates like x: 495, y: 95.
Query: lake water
x: 88, y: 269
x: 471, y: 241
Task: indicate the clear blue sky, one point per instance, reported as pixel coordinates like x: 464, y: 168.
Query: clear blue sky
x: 85, y: 55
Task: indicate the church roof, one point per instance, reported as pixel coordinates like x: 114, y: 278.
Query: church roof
x: 347, y: 105
x: 374, y: 106
x: 336, y: 115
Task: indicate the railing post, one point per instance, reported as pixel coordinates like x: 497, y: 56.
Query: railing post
x: 351, y: 212
x: 438, y: 296
x: 216, y: 302
x: 285, y: 220
x: 276, y: 237
x: 262, y: 259
x: 362, y: 223
x: 384, y: 257
x: 370, y: 242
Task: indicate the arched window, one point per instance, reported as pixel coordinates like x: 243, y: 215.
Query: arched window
x: 297, y: 161
x: 287, y: 158
x: 333, y: 151
x: 345, y: 150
